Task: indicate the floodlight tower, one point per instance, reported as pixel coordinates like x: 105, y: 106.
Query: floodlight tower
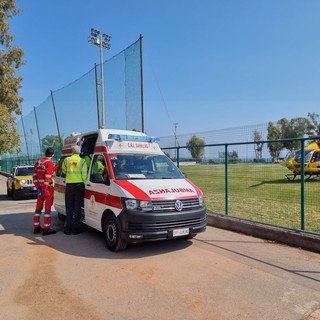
x: 103, y: 41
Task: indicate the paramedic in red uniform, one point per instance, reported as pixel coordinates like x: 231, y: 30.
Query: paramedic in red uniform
x: 76, y: 171
x: 42, y: 179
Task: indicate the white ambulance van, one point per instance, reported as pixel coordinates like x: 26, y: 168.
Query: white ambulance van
x: 134, y: 192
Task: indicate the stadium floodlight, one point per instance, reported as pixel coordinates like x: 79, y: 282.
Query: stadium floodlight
x: 103, y: 41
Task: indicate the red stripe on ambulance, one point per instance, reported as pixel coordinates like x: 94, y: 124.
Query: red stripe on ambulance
x: 109, y: 200
x: 134, y: 190
x: 199, y: 192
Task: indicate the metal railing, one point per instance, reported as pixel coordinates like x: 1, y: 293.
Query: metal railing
x: 236, y: 183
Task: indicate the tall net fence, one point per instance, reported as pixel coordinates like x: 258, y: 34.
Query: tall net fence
x: 74, y: 107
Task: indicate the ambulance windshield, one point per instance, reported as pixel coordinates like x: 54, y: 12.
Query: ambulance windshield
x: 133, y: 166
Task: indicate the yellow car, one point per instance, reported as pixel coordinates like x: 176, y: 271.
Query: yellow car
x: 20, y: 182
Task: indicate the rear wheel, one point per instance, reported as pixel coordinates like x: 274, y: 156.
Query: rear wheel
x: 112, y: 234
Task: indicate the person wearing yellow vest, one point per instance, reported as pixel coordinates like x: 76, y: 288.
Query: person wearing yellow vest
x: 98, y: 165
x: 76, y: 171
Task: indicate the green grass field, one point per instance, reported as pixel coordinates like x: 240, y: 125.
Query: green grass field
x: 259, y: 192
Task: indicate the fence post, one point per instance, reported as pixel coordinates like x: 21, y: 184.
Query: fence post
x: 302, y: 185
x: 35, y: 115
x: 178, y: 157
x: 226, y: 177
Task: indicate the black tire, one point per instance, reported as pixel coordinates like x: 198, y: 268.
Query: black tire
x: 14, y: 194
x: 61, y: 217
x: 112, y: 234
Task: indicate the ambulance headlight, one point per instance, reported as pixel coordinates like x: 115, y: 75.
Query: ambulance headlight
x: 131, y: 204
x: 134, y: 204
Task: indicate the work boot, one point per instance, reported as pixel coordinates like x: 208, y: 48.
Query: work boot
x: 37, y: 230
x: 67, y: 231
x: 77, y: 230
x: 49, y: 231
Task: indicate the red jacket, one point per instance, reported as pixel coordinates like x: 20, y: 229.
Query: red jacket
x: 42, y: 173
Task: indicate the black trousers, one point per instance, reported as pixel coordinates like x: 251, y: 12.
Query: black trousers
x: 74, y: 201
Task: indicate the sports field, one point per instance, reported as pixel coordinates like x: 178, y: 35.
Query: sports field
x: 259, y: 192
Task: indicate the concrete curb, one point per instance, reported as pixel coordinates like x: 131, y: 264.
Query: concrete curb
x: 295, y: 238
x: 4, y: 174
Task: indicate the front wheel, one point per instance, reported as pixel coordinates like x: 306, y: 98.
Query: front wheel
x: 14, y: 194
x: 112, y: 234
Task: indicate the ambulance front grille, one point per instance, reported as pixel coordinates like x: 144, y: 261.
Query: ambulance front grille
x: 169, y: 205
x: 169, y: 223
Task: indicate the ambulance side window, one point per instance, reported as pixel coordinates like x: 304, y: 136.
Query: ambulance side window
x: 99, y: 170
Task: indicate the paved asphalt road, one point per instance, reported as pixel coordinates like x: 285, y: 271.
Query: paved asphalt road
x: 218, y: 275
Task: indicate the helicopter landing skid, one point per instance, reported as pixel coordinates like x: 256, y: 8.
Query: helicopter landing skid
x: 292, y: 176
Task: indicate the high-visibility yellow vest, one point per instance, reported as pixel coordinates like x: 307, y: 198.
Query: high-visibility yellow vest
x: 98, y: 167
x: 87, y: 159
x: 75, y: 169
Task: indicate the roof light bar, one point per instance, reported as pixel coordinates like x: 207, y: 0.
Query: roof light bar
x: 116, y: 136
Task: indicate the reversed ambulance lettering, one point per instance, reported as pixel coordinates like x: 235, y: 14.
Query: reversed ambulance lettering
x: 172, y: 190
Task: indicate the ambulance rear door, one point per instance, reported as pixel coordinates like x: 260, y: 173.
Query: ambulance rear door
x: 60, y: 189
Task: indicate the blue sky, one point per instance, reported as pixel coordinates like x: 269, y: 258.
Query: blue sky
x: 208, y: 64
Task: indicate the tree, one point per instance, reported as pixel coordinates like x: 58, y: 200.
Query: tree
x: 315, y: 124
x: 287, y: 129
x: 10, y: 60
x: 52, y: 142
x: 274, y: 133
x: 9, y: 138
x: 258, y: 146
x: 10, y: 82
x: 195, y: 147
x: 295, y: 128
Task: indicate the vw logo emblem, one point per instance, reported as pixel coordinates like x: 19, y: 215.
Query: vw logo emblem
x: 178, y: 205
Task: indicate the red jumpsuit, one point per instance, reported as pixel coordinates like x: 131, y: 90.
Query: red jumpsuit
x: 42, y: 178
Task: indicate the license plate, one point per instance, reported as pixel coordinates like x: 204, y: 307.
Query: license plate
x: 180, y: 232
